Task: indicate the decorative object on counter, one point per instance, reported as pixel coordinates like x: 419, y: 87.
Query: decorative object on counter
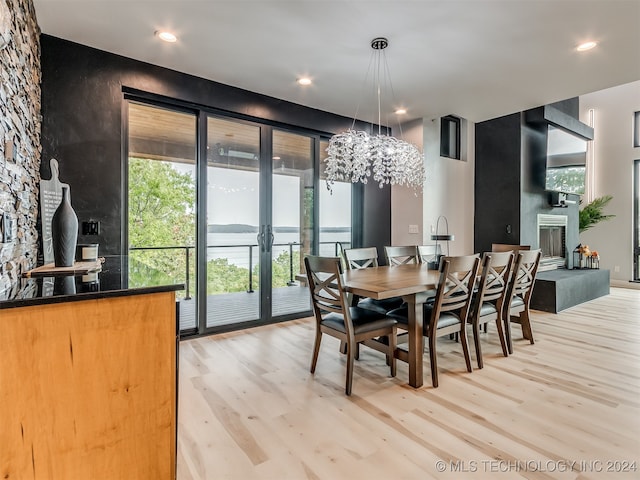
x: 591, y: 213
x: 64, y: 285
x: 50, y: 198
x: 441, y: 237
x: 64, y: 232
x: 353, y: 155
x: 87, y: 252
x: 584, y: 257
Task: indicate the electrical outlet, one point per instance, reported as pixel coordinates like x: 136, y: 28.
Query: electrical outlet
x: 91, y: 227
x: 413, y: 229
x: 616, y: 269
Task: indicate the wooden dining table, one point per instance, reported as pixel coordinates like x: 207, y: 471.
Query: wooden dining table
x: 412, y: 283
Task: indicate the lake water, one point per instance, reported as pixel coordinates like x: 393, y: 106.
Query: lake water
x: 235, y: 246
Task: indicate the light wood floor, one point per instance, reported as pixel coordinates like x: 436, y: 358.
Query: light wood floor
x: 250, y: 409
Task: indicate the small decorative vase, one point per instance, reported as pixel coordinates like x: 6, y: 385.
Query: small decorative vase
x: 64, y: 232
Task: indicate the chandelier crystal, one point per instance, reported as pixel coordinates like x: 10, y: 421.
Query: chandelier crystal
x: 354, y: 155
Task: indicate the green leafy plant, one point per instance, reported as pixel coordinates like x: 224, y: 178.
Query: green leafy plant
x: 592, y: 213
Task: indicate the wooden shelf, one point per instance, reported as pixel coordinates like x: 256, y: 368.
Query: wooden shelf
x: 78, y: 268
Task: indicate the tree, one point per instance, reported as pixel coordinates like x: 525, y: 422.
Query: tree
x: 161, y: 214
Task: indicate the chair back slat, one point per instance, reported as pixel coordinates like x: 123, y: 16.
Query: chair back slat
x: 506, y: 247
x: 495, y: 277
x: 429, y: 253
x: 401, y: 255
x: 361, y: 257
x: 325, y: 284
x: 524, y: 273
x: 456, y: 284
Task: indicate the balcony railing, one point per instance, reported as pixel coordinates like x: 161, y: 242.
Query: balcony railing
x: 338, y: 248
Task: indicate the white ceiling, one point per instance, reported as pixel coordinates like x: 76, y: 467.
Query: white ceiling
x: 478, y: 59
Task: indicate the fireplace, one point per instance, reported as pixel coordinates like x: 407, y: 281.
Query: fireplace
x: 552, y: 239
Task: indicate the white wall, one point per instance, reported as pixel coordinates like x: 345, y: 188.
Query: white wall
x: 614, y: 156
x: 449, y: 188
x: 406, y: 202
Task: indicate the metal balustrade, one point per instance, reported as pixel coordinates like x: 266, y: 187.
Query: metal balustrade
x: 338, y: 248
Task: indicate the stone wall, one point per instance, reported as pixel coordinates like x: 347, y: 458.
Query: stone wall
x: 20, y: 124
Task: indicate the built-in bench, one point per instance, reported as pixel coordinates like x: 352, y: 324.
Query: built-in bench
x: 556, y: 290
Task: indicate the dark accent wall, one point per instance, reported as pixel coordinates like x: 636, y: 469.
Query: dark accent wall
x: 82, y: 98
x: 509, y: 180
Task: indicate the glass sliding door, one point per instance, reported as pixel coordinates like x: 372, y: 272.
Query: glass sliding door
x: 161, y: 202
x: 228, y: 207
x: 291, y: 219
x: 232, y: 221
x: 335, y: 211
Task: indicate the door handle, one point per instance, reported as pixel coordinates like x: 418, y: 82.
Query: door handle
x: 270, y: 237
x: 260, y: 239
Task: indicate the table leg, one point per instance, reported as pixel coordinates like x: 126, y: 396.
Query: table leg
x: 416, y: 340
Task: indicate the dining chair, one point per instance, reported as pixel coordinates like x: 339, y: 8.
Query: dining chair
x: 490, y: 298
x: 519, y: 295
x: 506, y: 247
x: 401, y: 255
x: 356, y: 258
x: 430, y: 255
x: 352, y: 325
x: 450, y: 309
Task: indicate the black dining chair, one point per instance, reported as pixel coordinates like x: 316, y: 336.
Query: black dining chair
x: 356, y: 258
x: 351, y: 325
x: 450, y: 309
x: 490, y: 298
x: 519, y: 296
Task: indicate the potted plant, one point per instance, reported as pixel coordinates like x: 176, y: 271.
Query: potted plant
x: 592, y: 213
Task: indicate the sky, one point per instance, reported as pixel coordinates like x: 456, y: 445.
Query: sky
x: 233, y: 197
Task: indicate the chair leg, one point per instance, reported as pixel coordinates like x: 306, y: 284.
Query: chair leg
x: 507, y: 331
x: 525, y: 322
x: 350, y: 361
x: 343, y: 347
x: 392, y: 349
x: 316, y: 350
x: 503, y: 343
x: 476, y: 343
x: 465, y: 346
x: 433, y: 360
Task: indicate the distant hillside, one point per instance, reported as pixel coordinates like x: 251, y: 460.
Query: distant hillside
x: 232, y: 228
x: 244, y: 228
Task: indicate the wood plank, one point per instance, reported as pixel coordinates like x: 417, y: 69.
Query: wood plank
x: 559, y: 409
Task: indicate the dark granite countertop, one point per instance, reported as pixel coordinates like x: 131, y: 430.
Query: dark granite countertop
x: 111, y: 281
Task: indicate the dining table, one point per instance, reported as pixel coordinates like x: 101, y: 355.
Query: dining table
x: 415, y: 284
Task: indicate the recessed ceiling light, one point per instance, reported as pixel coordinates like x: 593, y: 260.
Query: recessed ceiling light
x: 304, y: 81
x: 166, y: 36
x: 586, y: 46
x: 401, y: 111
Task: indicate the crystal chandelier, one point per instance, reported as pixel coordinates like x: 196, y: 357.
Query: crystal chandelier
x: 353, y: 155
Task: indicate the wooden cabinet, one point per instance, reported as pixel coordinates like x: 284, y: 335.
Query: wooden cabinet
x: 88, y: 389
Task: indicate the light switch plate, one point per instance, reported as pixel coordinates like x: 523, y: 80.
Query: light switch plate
x: 414, y: 229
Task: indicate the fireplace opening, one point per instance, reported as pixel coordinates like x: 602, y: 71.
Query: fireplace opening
x: 552, y: 230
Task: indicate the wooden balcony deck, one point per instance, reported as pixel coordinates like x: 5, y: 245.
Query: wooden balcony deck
x: 228, y: 308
